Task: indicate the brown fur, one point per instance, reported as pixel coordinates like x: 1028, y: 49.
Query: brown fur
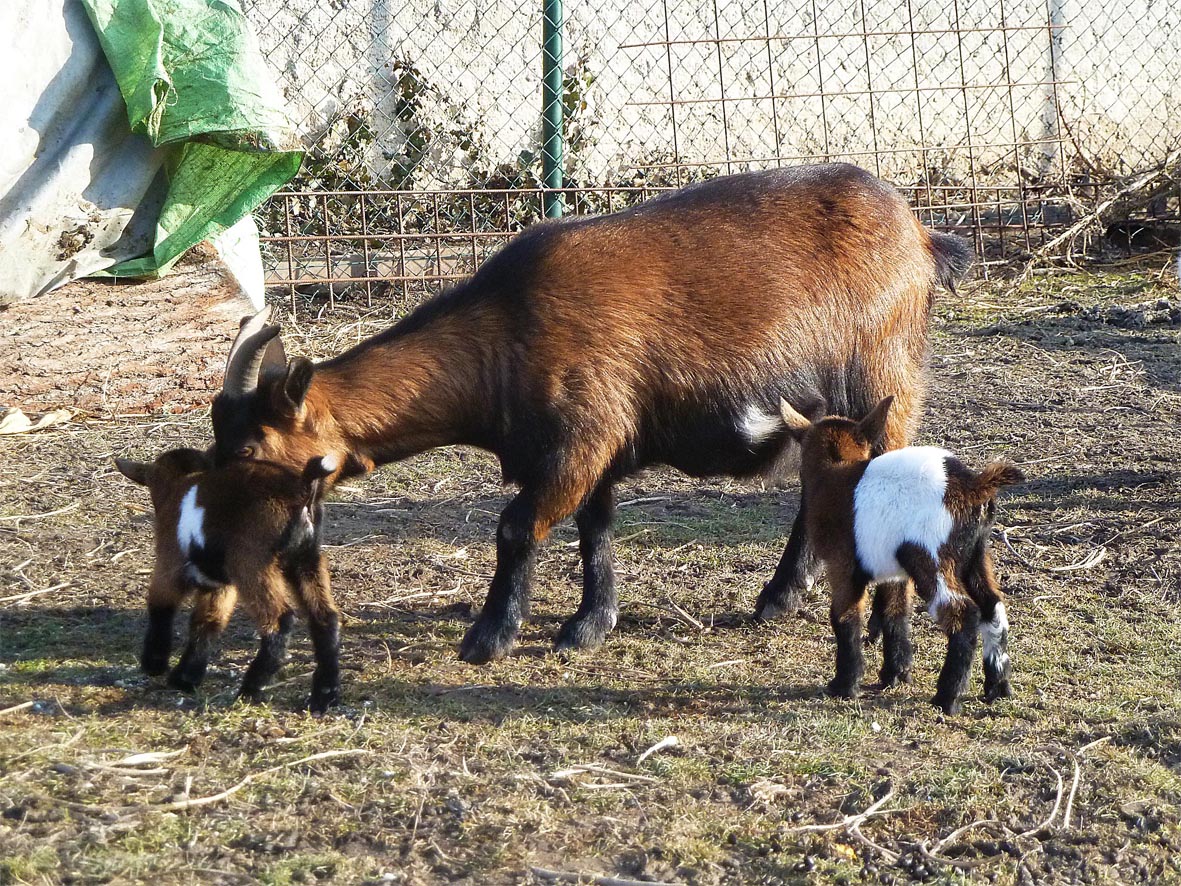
x: 590, y: 348
x: 261, y: 545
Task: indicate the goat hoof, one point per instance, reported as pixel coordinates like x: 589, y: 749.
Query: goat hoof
x: 177, y: 680
x: 487, y: 641
x: 154, y: 667
x: 320, y: 701
x: 842, y: 689
x: 893, y: 678
x: 585, y: 632
x: 251, y: 696
x: 951, y: 707
x: 1001, y: 689
x: 772, y: 606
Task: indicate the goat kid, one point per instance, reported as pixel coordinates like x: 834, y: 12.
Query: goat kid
x: 914, y: 513
x: 590, y: 348
x: 249, y: 530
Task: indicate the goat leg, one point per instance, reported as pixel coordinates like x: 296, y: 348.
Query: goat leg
x: 795, y: 574
x: 153, y: 661
x: 892, y: 607
x: 494, y: 632
x: 272, y: 650
x: 599, y: 610
x: 957, y: 667
x: 211, y: 614
x: 846, y: 615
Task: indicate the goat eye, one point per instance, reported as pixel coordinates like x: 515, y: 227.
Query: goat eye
x: 245, y: 452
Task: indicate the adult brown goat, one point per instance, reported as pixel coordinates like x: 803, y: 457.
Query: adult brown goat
x: 589, y: 348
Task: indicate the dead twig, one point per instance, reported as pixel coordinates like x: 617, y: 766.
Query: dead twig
x: 851, y: 825
x: 579, y: 877
x: 65, y: 510
x: 594, y: 769
x: 1149, y: 182
x: 1090, y: 561
x: 669, y: 741
x: 1053, y: 812
x: 20, y: 707
x: 192, y: 803
x: 17, y: 599
x: 678, y: 613
x: 931, y: 853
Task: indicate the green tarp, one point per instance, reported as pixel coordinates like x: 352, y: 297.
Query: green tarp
x: 195, y: 84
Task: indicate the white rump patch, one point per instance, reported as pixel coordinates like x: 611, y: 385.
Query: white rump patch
x: 757, y: 425
x: 190, y: 528
x: 996, y: 635
x: 900, y: 499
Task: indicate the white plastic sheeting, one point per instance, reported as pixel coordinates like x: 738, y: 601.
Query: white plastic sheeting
x: 79, y: 192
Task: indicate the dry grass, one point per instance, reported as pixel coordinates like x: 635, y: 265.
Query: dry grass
x: 437, y: 771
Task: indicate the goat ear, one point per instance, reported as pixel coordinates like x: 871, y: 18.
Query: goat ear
x: 274, y: 359
x: 797, y: 424
x: 135, y: 471
x: 321, y: 466
x: 292, y: 388
x: 874, y: 425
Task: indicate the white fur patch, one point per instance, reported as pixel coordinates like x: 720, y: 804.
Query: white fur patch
x: 190, y: 528
x: 330, y: 462
x: 900, y: 499
x: 757, y: 425
x: 942, y: 599
x: 995, y: 634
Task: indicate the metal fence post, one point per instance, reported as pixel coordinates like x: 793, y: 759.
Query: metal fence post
x: 551, y: 107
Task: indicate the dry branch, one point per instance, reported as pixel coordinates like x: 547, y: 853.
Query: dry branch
x: 576, y: 877
x: 1131, y: 196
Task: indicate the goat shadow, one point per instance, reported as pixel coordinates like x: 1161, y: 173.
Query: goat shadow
x: 665, y: 517
x: 59, y: 641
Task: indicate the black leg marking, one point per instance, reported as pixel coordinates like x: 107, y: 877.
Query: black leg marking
x: 190, y: 670
x: 157, y: 640
x: 326, y: 679
x: 980, y: 581
x: 784, y: 593
x: 961, y: 648
x: 845, y: 615
x: 494, y: 632
x: 272, y: 649
x: 850, y: 661
x: 599, y: 610
x: 897, y: 649
x: 873, y: 628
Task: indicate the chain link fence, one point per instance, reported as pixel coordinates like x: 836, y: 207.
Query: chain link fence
x: 1002, y: 120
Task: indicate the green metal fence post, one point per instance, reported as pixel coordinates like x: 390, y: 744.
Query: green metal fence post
x: 551, y: 107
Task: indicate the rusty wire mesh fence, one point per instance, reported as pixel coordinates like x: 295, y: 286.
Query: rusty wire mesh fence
x: 1003, y: 120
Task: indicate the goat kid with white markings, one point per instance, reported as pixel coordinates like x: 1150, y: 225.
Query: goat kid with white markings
x: 914, y: 513
x: 249, y: 529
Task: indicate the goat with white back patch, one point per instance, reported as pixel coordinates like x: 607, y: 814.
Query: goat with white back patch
x: 914, y: 513
x: 249, y: 530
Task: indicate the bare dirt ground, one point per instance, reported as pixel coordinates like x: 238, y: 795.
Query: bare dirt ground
x: 442, y: 772
x: 113, y: 349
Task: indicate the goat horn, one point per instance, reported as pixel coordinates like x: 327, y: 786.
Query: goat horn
x: 248, y: 352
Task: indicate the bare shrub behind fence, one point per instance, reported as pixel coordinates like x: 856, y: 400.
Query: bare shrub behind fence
x: 1004, y: 120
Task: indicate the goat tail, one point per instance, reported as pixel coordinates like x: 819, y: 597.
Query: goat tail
x: 994, y: 476
x: 953, y: 257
